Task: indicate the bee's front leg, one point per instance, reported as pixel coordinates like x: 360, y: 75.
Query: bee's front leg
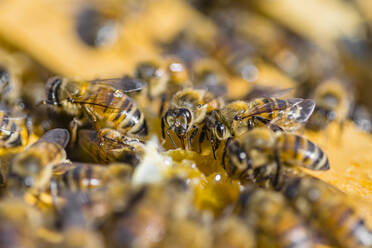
x: 74, y: 125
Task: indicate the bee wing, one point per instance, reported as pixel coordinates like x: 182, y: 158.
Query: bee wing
x: 265, y: 92
x: 101, y: 101
x: 299, y: 112
x: 126, y: 84
x: 305, y: 107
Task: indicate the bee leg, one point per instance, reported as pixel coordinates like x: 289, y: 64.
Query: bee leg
x: 162, y: 104
x: 201, y: 137
x: 188, y: 140
x: 275, y: 182
x: 54, y: 192
x: 225, y: 151
x: 162, y: 128
x: 74, y: 125
x: 213, y: 148
x: 170, y: 137
x: 194, y: 132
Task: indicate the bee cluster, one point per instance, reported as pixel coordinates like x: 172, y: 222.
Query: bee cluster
x: 202, y: 147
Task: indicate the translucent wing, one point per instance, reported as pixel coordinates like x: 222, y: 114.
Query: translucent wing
x: 126, y: 84
x: 269, y: 105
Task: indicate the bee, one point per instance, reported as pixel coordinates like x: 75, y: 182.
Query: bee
x: 17, y: 218
x: 114, y: 147
x: 207, y: 74
x: 83, y: 176
x: 326, y: 208
x: 33, y: 167
x: 232, y: 232
x: 102, y: 102
x: 261, y: 208
x: 259, y: 155
x: 164, y: 78
x: 333, y: 103
x: 236, y: 118
x: 15, y: 131
x: 188, y: 109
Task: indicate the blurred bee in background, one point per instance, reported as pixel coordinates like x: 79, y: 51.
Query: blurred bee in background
x: 334, y: 101
x: 232, y: 232
x: 15, y: 131
x: 75, y: 229
x: 187, y: 110
x: 33, y: 167
x: 326, y: 208
x: 261, y: 208
x: 85, y: 177
x: 164, y: 78
x: 114, y: 147
x: 238, y: 117
x: 17, y: 219
x: 103, y: 102
x: 262, y: 156
x: 207, y: 74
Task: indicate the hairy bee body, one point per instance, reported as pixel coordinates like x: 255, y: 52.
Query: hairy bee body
x: 238, y: 117
x: 103, y: 104
x: 114, y: 147
x: 34, y: 165
x: 260, y: 154
x: 273, y: 218
x: 187, y: 110
x: 82, y: 176
x: 14, y: 131
x: 327, y: 209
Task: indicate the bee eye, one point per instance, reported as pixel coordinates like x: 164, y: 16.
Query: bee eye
x: 220, y: 131
x: 187, y: 115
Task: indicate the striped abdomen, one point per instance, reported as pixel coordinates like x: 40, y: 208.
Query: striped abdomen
x: 274, y: 218
x: 327, y: 209
x: 116, y: 110
x: 81, y: 177
x: 296, y: 150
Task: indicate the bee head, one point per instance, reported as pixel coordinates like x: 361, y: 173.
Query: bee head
x: 179, y: 120
x: 52, y: 90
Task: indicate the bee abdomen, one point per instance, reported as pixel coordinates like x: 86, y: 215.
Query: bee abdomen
x: 296, y: 150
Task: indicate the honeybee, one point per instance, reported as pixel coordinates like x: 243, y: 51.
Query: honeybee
x: 83, y: 176
x: 232, y: 232
x: 33, y: 167
x: 14, y: 130
x: 114, y: 147
x: 333, y: 103
x: 17, y: 219
x: 237, y: 117
x: 188, y: 109
x: 326, y: 208
x: 103, y: 102
x: 261, y: 208
x: 207, y: 74
x: 259, y: 155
